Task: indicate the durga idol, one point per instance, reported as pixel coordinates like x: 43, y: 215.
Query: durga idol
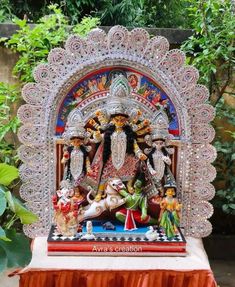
x: 118, y: 153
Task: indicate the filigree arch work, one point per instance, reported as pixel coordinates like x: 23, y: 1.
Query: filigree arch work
x: 136, y: 51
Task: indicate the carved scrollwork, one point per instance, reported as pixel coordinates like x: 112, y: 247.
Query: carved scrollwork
x: 201, y: 228
x: 29, y: 155
x: 138, y: 40
x: 172, y: 62
x: 156, y: 48
x: 56, y: 56
x: 201, y: 210
x: 202, y: 172
x: 186, y: 78
x: 203, y: 152
x: 43, y: 74
x: 76, y: 46
x: 31, y: 114
x: 33, y: 94
x: 202, y: 133
x: 31, y: 189
x: 203, y: 113
x: 118, y: 39
x: 32, y: 135
x: 32, y: 172
x: 98, y: 41
x: 205, y: 191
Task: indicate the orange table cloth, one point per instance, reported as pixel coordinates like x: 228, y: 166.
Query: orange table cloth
x: 96, y: 271
x: 120, y: 278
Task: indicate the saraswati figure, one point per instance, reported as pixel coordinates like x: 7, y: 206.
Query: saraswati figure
x: 159, y: 160
x: 116, y: 130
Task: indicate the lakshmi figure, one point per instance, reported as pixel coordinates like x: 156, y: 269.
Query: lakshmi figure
x: 169, y: 218
x: 75, y: 156
x: 118, y: 154
x: 135, y: 209
x: 159, y: 160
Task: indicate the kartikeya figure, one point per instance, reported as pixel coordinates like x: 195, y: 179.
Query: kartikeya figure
x: 169, y: 217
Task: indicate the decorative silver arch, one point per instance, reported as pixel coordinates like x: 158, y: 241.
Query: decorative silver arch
x: 128, y: 49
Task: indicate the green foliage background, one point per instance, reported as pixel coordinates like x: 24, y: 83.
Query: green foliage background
x: 132, y: 13
x: 211, y: 50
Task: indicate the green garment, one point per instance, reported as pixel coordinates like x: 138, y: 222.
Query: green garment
x: 169, y: 221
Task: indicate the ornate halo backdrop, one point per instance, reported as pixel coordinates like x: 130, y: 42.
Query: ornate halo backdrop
x: 131, y: 51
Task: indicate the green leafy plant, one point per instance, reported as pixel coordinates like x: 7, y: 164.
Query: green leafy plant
x: 211, y: 50
x: 34, y: 45
x: 225, y: 181
x: 163, y: 14
x: 14, y: 246
x: 5, y: 11
x: 9, y: 123
x: 131, y: 13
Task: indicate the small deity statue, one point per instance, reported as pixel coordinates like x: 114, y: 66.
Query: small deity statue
x: 135, y: 208
x: 89, y: 229
x: 159, y: 160
x: 169, y: 218
x: 75, y: 156
x: 66, y: 210
x: 118, y: 154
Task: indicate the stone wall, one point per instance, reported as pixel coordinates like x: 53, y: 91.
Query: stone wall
x: 7, y: 62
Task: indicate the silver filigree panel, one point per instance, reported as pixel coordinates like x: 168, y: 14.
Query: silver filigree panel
x: 152, y: 57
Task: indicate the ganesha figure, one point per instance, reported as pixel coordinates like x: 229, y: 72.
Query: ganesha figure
x: 116, y: 131
x: 65, y: 210
x: 159, y: 160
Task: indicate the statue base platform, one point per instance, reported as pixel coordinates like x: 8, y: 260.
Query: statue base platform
x: 116, y: 242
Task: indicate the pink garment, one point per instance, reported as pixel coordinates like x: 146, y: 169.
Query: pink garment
x: 100, y: 174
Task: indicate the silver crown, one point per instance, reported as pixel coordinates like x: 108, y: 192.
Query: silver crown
x: 75, y: 127
x: 74, y: 132
x: 160, y: 124
x: 118, y: 96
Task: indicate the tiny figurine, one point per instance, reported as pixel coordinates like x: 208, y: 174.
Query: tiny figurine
x: 108, y: 226
x: 135, y: 209
x: 89, y: 229
x: 169, y: 218
x: 151, y: 234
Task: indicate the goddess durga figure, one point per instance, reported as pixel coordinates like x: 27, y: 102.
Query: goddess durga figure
x: 116, y: 129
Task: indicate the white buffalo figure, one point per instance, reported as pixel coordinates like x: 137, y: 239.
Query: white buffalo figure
x: 111, y: 201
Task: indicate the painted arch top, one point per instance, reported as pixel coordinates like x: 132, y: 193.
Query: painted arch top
x: 150, y: 57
